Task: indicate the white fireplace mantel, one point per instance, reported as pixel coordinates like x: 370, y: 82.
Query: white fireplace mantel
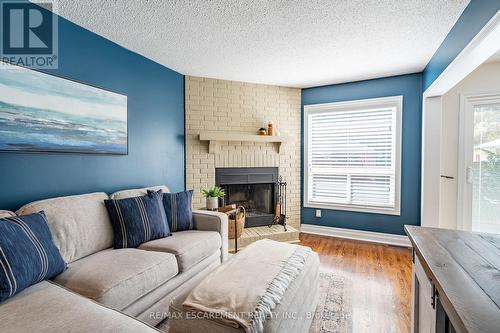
x: 214, y: 137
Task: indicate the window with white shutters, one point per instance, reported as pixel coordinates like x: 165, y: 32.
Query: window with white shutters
x: 353, y: 155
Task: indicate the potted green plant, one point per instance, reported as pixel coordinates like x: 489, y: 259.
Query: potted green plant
x: 213, y: 194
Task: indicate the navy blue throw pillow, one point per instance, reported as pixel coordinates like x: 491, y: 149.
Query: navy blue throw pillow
x: 137, y: 220
x: 179, y: 210
x: 27, y: 253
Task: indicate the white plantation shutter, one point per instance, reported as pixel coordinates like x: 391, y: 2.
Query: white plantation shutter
x: 352, y: 155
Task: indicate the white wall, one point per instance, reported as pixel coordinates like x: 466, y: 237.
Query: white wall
x: 431, y: 165
x: 486, y: 78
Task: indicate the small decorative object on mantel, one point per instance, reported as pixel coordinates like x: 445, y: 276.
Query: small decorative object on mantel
x: 213, y: 194
x: 262, y: 131
x: 270, y: 128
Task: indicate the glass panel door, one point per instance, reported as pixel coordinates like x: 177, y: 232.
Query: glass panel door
x: 484, y: 173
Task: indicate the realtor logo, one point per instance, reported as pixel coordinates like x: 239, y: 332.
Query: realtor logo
x: 29, y: 33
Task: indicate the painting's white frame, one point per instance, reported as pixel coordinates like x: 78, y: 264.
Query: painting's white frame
x: 372, y: 103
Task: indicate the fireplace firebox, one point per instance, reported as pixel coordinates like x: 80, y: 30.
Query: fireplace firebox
x: 252, y: 188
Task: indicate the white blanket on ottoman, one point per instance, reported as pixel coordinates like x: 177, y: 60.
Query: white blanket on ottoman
x: 243, y: 291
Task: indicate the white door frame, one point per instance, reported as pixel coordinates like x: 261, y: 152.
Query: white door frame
x: 483, y: 46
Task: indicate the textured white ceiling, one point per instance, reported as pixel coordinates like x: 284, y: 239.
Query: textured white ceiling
x: 298, y: 43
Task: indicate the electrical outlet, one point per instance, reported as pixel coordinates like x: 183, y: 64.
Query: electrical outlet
x: 318, y: 212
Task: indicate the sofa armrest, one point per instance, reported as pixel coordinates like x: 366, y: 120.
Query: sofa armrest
x: 213, y: 221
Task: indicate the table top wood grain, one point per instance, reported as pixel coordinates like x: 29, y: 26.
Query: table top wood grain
x: 465, y: 269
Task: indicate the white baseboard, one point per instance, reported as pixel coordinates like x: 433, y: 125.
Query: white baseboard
x: 369, y: 236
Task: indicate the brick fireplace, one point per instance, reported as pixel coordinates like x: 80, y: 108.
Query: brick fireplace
x: 237, y: 107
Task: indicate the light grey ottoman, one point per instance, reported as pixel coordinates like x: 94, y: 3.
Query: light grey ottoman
x: 293, y: 315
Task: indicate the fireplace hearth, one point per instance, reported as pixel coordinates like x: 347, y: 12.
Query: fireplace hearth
x: 252, y: 188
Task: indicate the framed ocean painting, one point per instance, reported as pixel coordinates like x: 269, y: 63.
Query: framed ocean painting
x: 46, y: 113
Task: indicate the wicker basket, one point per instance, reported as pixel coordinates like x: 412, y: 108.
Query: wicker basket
x: 236, y: 218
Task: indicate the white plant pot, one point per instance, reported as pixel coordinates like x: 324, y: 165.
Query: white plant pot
x: 212, y: 203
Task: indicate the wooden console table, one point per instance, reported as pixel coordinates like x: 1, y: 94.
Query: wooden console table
x: 456, y: 280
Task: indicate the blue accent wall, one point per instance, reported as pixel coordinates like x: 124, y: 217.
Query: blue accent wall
x: 472, y: 20
x: 410, y: 87
x: 155, y: 124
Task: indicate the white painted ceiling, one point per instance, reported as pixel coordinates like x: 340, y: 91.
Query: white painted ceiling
x: 299, y: 43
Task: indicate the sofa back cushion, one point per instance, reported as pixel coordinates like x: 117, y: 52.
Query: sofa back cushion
x: 79, y: 224
x: 27, y: 253
x: 138, y: 192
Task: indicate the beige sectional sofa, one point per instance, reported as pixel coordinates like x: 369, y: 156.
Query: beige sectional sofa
x: 138, y: 282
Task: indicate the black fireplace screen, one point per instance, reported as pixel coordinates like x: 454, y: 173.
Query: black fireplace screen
x: 256, y: 198
x: 252, y: 188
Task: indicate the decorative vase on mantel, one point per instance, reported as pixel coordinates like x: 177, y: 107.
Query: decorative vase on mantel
x: 212, y: 203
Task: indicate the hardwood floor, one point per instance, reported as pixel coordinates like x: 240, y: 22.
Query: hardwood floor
x: 379, y: 276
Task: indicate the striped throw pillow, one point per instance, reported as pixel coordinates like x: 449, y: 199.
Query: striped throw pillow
x: 27, y: 253
x: 179, y: 210
x: 137, y: 220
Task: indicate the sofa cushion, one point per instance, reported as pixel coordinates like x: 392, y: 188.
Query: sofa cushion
x: 27, y: 253
x: 117, y: 278
x: 48, y: 308
x: 137, y: 220
x: 138, y: 192
x: 6, y: 213
x: 190, y: 246
x: 79, y: 224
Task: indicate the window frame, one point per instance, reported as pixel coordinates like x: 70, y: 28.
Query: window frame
x: 355, y: 105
